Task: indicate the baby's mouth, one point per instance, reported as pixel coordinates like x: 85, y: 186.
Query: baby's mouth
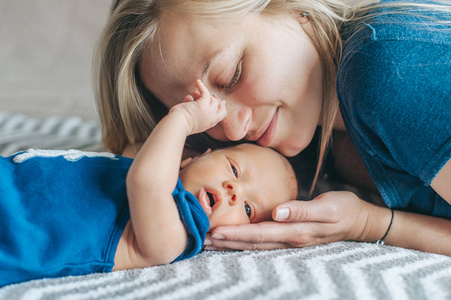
x: 212, y: 199
x: 215, y: 199
x: 209, y: 200
x: 205, y: 200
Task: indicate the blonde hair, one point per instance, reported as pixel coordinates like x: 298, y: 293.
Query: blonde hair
x: 128, y: 111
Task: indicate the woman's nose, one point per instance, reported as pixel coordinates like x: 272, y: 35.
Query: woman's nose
x: 234, y: 190
x: 238, y: 120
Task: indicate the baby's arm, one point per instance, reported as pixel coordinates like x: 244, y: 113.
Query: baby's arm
x: 159, y: 233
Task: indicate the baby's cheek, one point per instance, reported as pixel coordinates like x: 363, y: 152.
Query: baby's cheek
x: 227, y: 219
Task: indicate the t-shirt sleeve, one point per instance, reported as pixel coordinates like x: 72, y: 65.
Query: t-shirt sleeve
x: 397, y: 97
x: 194, y: 218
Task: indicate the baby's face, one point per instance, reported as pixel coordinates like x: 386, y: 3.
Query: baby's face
x: 239, y: 185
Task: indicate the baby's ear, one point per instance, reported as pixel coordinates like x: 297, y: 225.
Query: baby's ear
x: 188, y: 160
x: 185, y: 162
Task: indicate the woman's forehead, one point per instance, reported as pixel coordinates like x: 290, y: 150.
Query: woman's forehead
x: 183, y: 49
x: 164, y: 59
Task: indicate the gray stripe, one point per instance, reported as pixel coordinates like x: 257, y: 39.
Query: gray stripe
x: 19, y: 132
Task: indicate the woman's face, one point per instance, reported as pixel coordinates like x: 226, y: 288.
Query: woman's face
x: 265, y: 67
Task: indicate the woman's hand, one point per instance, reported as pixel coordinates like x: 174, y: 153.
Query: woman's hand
x: 201, y: 110
x: 332, y: 216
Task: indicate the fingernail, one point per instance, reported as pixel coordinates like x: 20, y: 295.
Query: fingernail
x: 208, y: 242
x: 218, y: 236
x: 210, y: 248
x: 282, y: 214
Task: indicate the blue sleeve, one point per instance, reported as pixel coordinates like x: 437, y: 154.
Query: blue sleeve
x: 396, y: 94
x: 194, y: 218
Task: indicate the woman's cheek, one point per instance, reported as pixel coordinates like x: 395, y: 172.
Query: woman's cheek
x: 291, y: 139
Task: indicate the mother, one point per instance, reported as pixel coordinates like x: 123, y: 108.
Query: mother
x: 284, y: 67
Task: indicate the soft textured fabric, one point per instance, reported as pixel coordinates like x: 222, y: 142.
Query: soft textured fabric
x: 334, y: 271
x: 195, y: 219
x: 63, y: 213
x: 394, y: 88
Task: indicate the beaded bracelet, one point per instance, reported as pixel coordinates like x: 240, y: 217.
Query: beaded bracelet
x: 381, y: 241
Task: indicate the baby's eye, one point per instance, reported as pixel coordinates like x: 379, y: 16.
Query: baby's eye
x: 248, y: 210
x: 236, y: 76
x: 235, y: 172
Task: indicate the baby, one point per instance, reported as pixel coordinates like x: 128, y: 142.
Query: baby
x: 73, y: 213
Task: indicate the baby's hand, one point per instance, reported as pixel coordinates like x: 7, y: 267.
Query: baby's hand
x: 202, y: 113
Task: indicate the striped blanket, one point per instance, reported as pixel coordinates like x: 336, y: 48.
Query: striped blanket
x: 19, y: 132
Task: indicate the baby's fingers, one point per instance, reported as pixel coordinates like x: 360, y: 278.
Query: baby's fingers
x: 221, y: 104
x: 188, y: 98
x: 196, y: 94
x: 204, y: 92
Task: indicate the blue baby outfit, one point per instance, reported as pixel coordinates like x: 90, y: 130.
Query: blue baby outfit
x: 63, y: 213
x: 394, y: 88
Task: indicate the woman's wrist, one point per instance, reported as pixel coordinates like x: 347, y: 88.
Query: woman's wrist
x: 378, y: 221
x: 183, y: 117
x: 381, y: 241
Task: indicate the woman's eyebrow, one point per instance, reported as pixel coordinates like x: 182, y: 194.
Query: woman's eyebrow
x: 208, y: 64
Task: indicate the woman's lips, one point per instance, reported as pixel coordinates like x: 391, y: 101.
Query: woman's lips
x: 267, y: 136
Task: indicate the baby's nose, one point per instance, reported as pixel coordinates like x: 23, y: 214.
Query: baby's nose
x: 234, y: 191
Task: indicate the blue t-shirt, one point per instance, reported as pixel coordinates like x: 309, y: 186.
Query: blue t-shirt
x: 63, y: 213
x: 394, y: 89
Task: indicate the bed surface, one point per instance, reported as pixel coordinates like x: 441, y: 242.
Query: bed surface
x: 343, y: 270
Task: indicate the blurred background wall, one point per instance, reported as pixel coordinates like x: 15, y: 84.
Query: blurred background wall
x: 46, y: 49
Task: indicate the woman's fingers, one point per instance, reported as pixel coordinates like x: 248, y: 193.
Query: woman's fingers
x: 224, y: 245
x: 272, y: 235
x: 321, y: 209
x: 234, y: 245
x: 264, y: 232
x: 330, y: 217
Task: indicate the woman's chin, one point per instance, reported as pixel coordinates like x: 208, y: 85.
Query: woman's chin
x: 290, y: 150
x: 294, y: 146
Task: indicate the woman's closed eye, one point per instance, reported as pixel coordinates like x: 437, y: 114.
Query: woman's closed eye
x: 235, y: 78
